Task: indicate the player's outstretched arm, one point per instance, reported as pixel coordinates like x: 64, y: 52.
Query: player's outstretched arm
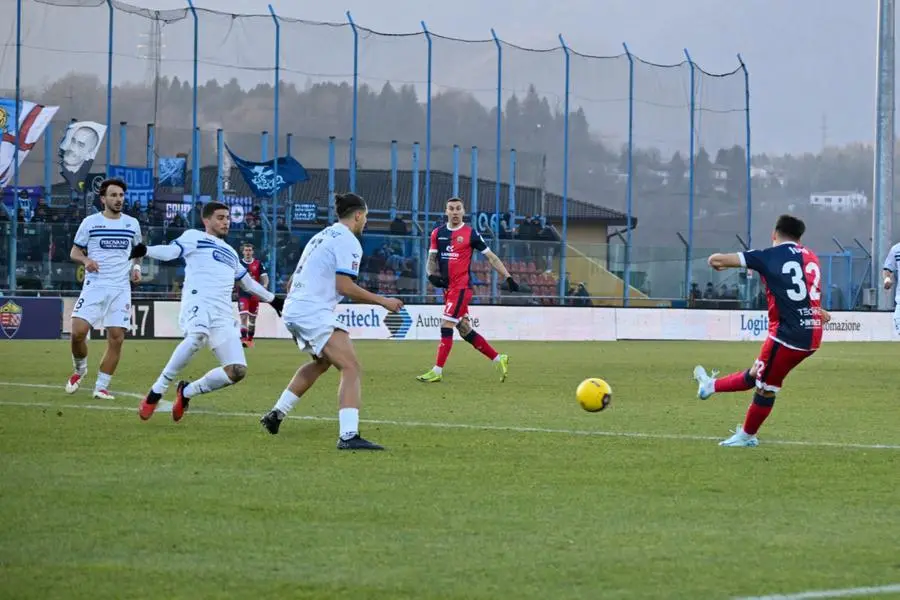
x: 162, y: 252
x: 347, y: 287
x: 253, y: 287
x: 720, y: 262
x: 501, y: 269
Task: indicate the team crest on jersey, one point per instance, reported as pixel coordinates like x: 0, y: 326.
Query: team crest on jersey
x: 459, y: 239
x: 10, y: 318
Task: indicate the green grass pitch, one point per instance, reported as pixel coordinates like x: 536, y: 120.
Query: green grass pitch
x: 488, y: 490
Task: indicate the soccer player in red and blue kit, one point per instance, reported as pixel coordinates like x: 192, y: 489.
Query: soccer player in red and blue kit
x: 248, y: 304
x: 450, y: 267
x: 793, y: 290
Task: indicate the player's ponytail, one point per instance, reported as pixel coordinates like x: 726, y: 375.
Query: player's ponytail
x: 347, y: 204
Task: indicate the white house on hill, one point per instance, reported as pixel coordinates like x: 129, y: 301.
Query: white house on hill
x: 840, y: 201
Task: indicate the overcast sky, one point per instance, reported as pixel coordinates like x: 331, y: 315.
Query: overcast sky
x: 809, y: 60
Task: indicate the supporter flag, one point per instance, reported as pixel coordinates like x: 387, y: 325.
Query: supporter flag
x: 260, y: 176
x: 30, y: 122
x: 77, y: 151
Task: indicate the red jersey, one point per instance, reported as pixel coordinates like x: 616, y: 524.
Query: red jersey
x: 255, y: 269
x: 454, y: 248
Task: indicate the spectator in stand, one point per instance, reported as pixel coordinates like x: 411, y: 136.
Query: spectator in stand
x: 398, y: 226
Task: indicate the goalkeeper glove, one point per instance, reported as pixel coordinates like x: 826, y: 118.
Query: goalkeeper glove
x: 138, y: 251
x: 511, y: 284
x: 278, y: 304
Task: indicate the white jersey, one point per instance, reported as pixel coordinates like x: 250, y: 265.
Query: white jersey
x: 211, y: 268
x: 892, y: 263
x: 108, y: 242
x: 334, y: 250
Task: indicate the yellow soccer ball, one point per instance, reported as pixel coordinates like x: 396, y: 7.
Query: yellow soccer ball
x: 593, y: 394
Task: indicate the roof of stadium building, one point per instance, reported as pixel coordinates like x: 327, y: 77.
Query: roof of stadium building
x: 375, y: 187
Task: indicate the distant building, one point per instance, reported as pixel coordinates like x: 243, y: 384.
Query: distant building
x: 840, y: 201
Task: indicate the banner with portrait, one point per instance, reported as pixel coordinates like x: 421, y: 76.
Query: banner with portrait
x: 77, y: 151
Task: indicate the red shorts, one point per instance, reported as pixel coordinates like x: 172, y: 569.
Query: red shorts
x: 248, y: 305
x: 456, y: 304
x: 775, y: 362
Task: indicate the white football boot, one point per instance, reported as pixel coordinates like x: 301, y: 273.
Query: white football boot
x: 706, y: 384
x: 103, y: 395
x: 74, y: 382
x: 741, y: 439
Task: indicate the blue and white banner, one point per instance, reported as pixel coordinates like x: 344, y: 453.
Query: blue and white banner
x: 139, y: 181
x: 172, y: 171
x: 30, y: 122
x: 260, y: 176
x: 305, y: 212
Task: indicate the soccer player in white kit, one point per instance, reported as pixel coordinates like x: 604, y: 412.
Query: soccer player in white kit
x: 325, y: 274
x: 891, y: 269
x: 207, y: 317
x: 103, y: 244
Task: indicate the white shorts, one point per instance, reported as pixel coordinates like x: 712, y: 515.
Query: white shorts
x: 104, y: 306
x: 223, y: 333
x: 313, y: 332
x: 897, y: 321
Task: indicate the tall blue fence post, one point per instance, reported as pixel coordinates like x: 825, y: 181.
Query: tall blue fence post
x: 626, y: 292
x: 688, y: 267
x: 496, y: 226
x: 394, y: 161
x: 415, y: 213
x: 749, y: 155
x: 455, y: 170
x: 273, y: 256
x: 564, y: 246
x: 513, y: 175
x: 474, y: 169
x: 14, y: 220
x: 123, y: 143
x: 220, y: 164
x: 264, y: 145
x: 289, y: 151
x: 109, y: 83
x: 353, y: 137
x: 151, y: 144
x: 48, y: 161
x: 195, y: 142
x: 427, y: 227
x: 331, y: 180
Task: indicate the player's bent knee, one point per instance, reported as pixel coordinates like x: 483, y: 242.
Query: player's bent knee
x: 236, y: 372
x: 197, y: 340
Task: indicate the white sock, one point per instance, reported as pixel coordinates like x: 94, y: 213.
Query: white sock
x: 212, y: 381
x: 437, y: 369
x: 287, y: 402
x: 179, y: 360
x: 497, y: 358
x: 349, y: 420
x: 102, y: 381
x: 80, y: 365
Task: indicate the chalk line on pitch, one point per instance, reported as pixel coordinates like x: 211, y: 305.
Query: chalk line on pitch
x: 434, y: 425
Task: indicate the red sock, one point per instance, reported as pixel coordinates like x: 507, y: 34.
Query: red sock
x: 481, y: 345
x: 756, y: 414
x: 444, y: 347
x: 736, y: 382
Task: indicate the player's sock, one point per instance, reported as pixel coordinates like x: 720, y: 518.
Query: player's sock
x: 736, y: 382
x: 179, y: 360
x: 103, y: 380
x: 252, y: 330
x: 212, y: 381
x: 286, y: 403
x: 80, y: 365
x: 481, y: 344
x: 444, y: 348
x: 244, y: 331
x: 349, y: 421
x: 757, y: 413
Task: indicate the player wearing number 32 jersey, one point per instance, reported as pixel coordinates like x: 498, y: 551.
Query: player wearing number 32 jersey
x: 793, y: 289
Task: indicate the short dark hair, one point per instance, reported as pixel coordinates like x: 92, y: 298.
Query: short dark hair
x: 454, y: 199
x: 790, y: 227
x: 246, y: 245
x: 347, y: 204
x: 104, y: 185
x: 210, y: 207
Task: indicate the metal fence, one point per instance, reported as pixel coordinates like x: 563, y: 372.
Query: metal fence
x: 665, y: 145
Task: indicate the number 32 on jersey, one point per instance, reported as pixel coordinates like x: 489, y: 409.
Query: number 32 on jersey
x: 800, y: 288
